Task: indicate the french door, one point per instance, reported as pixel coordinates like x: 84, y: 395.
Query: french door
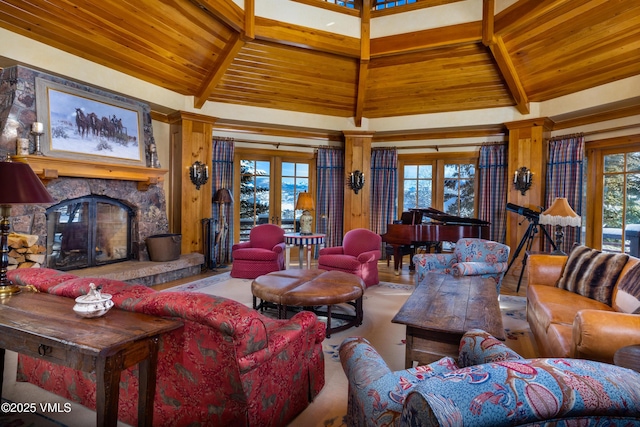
x: 268, y: 186
x: 616, y: 199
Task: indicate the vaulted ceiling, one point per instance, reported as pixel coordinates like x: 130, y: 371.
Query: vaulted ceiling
x: 533, y: 51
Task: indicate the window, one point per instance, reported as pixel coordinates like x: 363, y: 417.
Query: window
x: 459, y: 184
x: 417, y: 187
x: 295, y: 180
x: 269, y: 185
x: 385, y: 4
x: 446, y: 182
x: 621, y: 202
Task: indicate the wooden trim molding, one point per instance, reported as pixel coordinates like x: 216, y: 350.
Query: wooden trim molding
x: 48, y: 168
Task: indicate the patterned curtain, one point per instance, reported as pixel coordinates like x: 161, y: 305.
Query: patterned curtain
x: 330, y: 196
x: 222, y: 177
x: 565, y: 179
x: 493, y: 189
x: 384, y: 188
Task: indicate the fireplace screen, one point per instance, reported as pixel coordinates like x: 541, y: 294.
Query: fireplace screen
x: 87, y: 232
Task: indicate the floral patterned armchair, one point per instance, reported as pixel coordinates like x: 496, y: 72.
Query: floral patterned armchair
x: 470, y: 257
x: 489, y: 385
x: 228, y: 366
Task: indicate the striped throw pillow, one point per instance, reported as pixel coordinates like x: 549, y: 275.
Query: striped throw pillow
x: 591, y: 273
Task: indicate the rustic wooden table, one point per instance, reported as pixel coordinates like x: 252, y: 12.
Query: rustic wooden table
x: 628, y: 357
x: 45, y: 326
x: 442, y: 309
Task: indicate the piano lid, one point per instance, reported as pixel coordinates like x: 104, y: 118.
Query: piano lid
x: 445, y: 218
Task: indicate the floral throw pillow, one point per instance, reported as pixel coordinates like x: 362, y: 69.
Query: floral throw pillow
x: 591, y: 273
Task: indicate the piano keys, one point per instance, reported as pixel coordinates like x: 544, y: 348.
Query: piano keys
x: 442, y: 228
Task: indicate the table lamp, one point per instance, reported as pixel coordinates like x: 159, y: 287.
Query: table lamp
x: 561, y: 215
x: 305, y: 204
x: 19, y: 185
x: 222, y: 197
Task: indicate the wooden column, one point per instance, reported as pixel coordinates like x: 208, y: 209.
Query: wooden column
x: 357, y: 156
x: 190, y: 142
x: 528, y: 148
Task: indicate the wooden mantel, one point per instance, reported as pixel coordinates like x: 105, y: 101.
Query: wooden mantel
x: 48, y: 168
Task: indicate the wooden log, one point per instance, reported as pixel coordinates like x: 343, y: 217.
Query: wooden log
x: 37, y: 258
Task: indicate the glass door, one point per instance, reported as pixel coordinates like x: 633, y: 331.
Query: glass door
x: 294, y: 180
x: 269, y: 188
x: 621, y: 203
x: 255, y: 195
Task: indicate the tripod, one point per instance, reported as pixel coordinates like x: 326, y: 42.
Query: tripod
x: 527, y: 240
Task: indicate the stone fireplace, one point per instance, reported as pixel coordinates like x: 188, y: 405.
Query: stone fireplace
x: 136, y: 187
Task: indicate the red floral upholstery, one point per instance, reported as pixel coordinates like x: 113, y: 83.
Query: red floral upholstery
x: 228, y: 366
x: 359, y: 255
x: 262, y: 254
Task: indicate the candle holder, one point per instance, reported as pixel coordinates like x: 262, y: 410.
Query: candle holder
x: 522, y: 179
x: 199, y: 174
x: 37, y: 132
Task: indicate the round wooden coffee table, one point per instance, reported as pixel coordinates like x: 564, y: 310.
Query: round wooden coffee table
x: 312, y: 290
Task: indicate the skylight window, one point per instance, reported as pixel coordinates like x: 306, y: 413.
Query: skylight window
x: 385, y: 4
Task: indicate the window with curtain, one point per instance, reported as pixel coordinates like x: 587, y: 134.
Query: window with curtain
x: 446, y: 183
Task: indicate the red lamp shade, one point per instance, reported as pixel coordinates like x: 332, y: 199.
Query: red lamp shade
x: 19, y: 185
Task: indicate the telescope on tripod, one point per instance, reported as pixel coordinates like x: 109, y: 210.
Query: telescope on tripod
x: 527, y: 240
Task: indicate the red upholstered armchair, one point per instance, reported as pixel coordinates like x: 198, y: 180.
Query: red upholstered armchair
x: 359, y: 255
x: 262, y: 254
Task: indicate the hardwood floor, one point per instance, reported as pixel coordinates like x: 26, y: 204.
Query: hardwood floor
x: 386, y: 274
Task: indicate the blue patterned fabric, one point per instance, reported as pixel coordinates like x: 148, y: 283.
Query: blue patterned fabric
x: 525, y: 392
x: 471, y: 257
x: 507, y: 390
x: 376, y: 394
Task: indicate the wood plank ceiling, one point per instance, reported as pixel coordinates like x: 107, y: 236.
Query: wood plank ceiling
x: 535, y: 50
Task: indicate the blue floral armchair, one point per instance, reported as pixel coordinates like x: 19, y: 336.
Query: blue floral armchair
x: 489, y: 385
x: 471, y: 257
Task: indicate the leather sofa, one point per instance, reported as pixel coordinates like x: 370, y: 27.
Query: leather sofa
x: 568, y: 324
x: 488, y: 385
x: 228, y: 366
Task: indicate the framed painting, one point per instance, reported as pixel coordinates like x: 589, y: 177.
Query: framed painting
x: 80, y: 124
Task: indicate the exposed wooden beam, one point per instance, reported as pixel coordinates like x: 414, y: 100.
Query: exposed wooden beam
x: 488, y: 21
x: 363, y: 71
x: 250, y: 19
x: 225, y: 10
x: 510, y: 74
x: 427, y: 39
x: 308, y: 38
x: 226, y: 58
x: 498, y: 131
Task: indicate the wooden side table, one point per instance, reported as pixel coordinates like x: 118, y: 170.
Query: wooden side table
x: 46, y: 327
x: 628, y: 357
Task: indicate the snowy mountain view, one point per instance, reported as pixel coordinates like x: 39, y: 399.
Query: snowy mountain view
x: 81, y: 125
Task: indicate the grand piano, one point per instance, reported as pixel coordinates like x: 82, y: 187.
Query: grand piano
x: 442, y: 227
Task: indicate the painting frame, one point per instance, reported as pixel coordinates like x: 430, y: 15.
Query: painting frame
x: 105, y: 129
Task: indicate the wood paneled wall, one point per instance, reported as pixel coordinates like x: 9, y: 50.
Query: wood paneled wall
x: 357, y: 156
x: 527, y: 147
x: 190, y: 142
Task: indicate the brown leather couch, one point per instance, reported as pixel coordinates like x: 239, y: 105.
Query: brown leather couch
x: 566, y: 324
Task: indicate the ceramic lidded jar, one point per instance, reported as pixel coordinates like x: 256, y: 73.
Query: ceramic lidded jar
x: 93, y: 304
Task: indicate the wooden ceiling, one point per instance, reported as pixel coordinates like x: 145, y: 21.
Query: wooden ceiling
x: 533, y: 51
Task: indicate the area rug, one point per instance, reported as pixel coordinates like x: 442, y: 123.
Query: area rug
x: 380, y: 304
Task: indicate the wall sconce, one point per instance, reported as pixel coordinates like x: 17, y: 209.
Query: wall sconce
x: 199, y: 173
x: 356, y: 181
x: 522, y: 179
